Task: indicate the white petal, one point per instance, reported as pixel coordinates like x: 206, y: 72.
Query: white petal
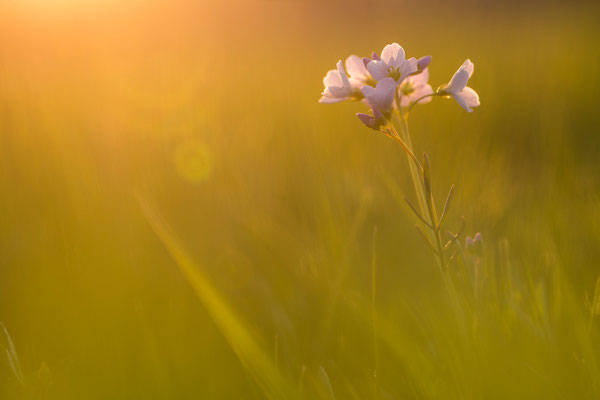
x: 343, y: 75
x: 458, y: 81
x: 377, y: 69
x: 420, y: 79
x: 408, y: 67
x: 471, y: 97
x: 468, y: 66
x: 367, y: 90
x: 332, y: 78
x: 461, y: 101
x: 326, y: 99
x: 419, y: 91
x: 393, y: 54
x: 337, y: 91
x: 356, y: 68
x: 357, y: 83
x: 467, y: 98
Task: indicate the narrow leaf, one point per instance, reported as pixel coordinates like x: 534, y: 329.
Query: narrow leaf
x: 417, y: 213
x: 446, y: 206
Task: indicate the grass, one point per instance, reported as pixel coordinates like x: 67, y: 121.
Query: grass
x: 181, y: 219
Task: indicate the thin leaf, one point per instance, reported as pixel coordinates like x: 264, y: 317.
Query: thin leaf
x: 446, y: 206
x: 417, y: 213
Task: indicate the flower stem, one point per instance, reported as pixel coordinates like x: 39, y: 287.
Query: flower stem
x: 414, y: 103
x: 426, y: 203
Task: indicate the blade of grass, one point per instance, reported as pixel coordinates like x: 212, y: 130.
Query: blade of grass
x: 259, y: 366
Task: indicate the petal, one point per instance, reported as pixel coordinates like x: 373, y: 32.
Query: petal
x: 382, y: 97
x: 378, y: 69
x: 366, y: 119
x: 467, y: 98
x: 367, y: 90
x: 420, y: 78
x: 420, y: 91
x: 356, y: 68
x: 406, y: 100
x: 461, y: 101
x: 393, y: 54
x: 471, y: 97
x: 332, y: 78
x: 458, y: 82
x: 375, y: 56
x: 343, y: 75
x: 358, y: 83
x: 468, y: 66
x: 423, y: 62
x: 337, y: 91
x: 326, y: 99
x: 408, y: 67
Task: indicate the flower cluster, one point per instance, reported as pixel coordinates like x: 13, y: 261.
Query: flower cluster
x: 390, y: 83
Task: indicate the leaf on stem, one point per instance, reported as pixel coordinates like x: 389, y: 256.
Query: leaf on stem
x: 426, y: 176
x: 417, y: 213
x: 446, y: 206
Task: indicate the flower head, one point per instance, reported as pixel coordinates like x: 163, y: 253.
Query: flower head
x: 414, y: 87
x: 458, y: 89
x: 392, y: 64
x: 338, y: 87
x: 380, y: 97
x: 381, y: 100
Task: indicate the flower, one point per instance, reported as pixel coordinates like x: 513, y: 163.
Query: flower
x: 359, y: 75
x: 338, y: 87
x: 381, y: 100
x: 458, y: 89
x: 474, y: 244
x: 392, y: 64
x: 370, y: 121
x: 414, y: 87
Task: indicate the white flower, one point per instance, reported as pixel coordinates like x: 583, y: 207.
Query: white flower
x: 415, y: 87
x: 392, y: 64
x: 340, y: 86
x: 337, y: 86
x: 381, y: 100
x: 458, y: 89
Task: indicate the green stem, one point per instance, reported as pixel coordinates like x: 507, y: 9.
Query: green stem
x: 426, y: 205
x: 374, y: 315
x: 414, y: 103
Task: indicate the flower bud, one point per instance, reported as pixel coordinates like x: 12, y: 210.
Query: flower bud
x: 370, y: 121
x: 474, y: 245
x: 423, y: 62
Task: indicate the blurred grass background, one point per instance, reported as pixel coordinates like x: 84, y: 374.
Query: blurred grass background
x: 206, y: 114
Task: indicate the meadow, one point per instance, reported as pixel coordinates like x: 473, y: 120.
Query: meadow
x: 181, y: 219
